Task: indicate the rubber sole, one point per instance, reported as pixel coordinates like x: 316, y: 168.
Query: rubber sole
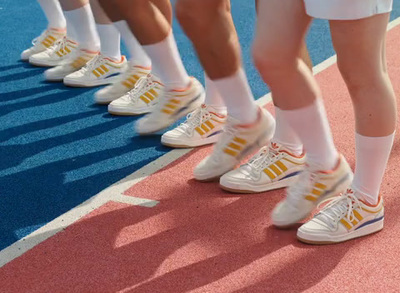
x: 80, y: 85
x: 122, y: 111
x: 197, y: 143
x: 372, y: 229
x: 268, y: 187
x: 237, y: 188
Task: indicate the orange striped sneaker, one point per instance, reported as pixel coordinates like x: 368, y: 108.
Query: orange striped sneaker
x: 271, y: 168
x: 309, y: 190
x: 98, y: 71
x: 172, y: 105
x: 58, y: 54
x: 74, y: 62
x: 46, y: 40
x: 140, y: 100
x: 345, y: 217
x: 203, y: 126
x: 236, y: 142
x: 123, y: 85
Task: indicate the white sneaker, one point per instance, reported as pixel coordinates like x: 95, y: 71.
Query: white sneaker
x: 44, y: 41
x: 55, y: 55
x: 308, y: 191
x: 344, y: 218
x: 271, y: 168
x: 141, y: 99
x: 172, y: 105
x: 203, y: 126
x: 235, y: 143
x: 126, y: 82
x: 74, y: 62
x: 98, y: 71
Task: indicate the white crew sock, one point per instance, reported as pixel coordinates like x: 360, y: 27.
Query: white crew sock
x: 311, y: 125
x: 285, y: 135
x: 237, y: 96
x: 372, y: 155
x: 83, y: 28
x: 213, y: 98
x: 167, y: 63
x: 110, y: 41
x: 137, y: 55
x: 54, y: 14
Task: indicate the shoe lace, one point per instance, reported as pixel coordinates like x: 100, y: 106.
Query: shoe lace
x: 340, y: 205
x: 264, y: 157
x: 142, y: 86
x: 58, y: 45
x: 194, y: 119
x: 97, y: 61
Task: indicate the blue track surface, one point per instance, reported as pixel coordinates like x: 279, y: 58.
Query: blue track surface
x: 57, y: 149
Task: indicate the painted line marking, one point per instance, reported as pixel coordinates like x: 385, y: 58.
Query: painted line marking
x: 115, y: 191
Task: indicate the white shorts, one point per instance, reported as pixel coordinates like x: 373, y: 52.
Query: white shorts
x: 346, y: 9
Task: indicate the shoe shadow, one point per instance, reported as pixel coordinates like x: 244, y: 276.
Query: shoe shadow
x: 21, y: 75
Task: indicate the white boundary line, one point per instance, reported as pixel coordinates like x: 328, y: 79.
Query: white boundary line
x: 115, y: 191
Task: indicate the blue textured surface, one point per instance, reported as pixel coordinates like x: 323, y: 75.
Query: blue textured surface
x: 57, y: 149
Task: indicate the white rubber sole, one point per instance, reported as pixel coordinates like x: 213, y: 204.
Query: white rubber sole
x: 240, y: 187
x: 124, y: 111
x: 44, y: 63
x: 192, y: 107
x: 91, y: 83
x: 175, y: 143
x: 107, y: 100
x: 55, y: 78
x: 320, y: 239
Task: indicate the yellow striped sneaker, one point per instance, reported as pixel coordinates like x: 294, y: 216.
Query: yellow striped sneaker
x: 236, y: 142
x: 203, y: 126
x: 56, y: 55
x: 345, y: 217
x: 74, y: 62
x: 271, y: 168
x: 140, y: 100
x: 173, y: 104
x: 310, y: 189
x: 46, y: 40
x: 98, y: 71
x: 123, y: 85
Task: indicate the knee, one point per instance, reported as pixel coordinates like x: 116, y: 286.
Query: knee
x: 271, y: 59
x: 358, y: 75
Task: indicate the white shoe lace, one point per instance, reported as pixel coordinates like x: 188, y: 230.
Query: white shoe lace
x: 58, y: 45
x: 144, y: 84
x: 265, y: 156
x: 194, y: 120
x: 339, y: 206
x: 97, y: 61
